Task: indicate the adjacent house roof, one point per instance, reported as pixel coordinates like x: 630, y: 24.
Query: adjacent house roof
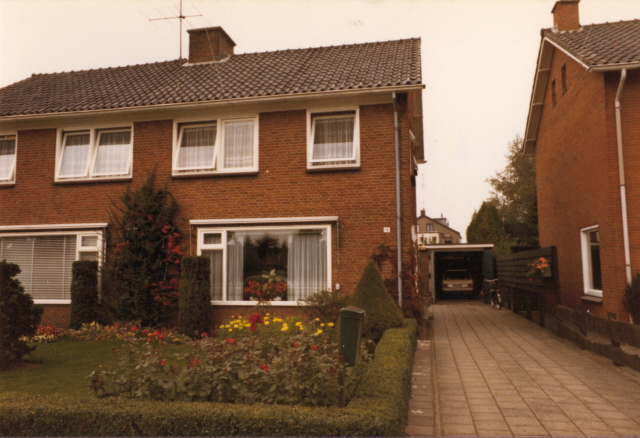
x: 255, y: 75
x: 597, y: 47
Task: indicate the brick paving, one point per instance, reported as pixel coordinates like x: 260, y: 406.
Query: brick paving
x: 486, y: 372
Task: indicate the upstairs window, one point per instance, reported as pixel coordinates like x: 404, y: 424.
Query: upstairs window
x: 334, y: 139
x: 591, y: 269
x: 217, y: 146
x: 95, y: 154
x: 7, y: 158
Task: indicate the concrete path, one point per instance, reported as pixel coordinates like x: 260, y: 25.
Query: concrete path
x: 493, y: 373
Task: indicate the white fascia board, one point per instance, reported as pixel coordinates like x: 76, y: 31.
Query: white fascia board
x: 53, y: 227
x: 195, y: 105
x: 316, y: 219
x: 459, y: 247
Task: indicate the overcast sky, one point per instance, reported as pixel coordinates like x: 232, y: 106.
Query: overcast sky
x: 478, y: 60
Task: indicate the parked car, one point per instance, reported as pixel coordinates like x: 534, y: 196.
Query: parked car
x: 457, y: 281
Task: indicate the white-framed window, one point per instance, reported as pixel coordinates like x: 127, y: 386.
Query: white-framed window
x: 591, y: 269
x: 95, y: 153
x: 298, y: 255
x: 333, y: 139
x: 7, y: 158
x: 216, y: 146
x: 46, y: 259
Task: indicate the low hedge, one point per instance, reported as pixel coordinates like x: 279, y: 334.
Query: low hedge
x: 380, y: 407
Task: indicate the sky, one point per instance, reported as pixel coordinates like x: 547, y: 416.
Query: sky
x: 478, y: 60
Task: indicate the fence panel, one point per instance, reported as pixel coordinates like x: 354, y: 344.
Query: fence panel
x: 524, y: 286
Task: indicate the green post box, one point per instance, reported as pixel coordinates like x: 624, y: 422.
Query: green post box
x: 349, y: 332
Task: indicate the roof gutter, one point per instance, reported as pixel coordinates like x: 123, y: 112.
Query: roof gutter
x: 623, y: 193
x: 190, y: 105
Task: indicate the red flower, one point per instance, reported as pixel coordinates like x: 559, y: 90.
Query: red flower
x: 133, y: 329
x: 195, y: 361
x: 163, y: 362
x: 231, y: 341
x: 313, y: 347
x: 295, y: 344
x: 204, y: 335
x: 264, y: 367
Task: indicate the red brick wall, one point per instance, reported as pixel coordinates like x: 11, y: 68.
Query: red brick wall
x: 363, y: 199
x: 577, y: 177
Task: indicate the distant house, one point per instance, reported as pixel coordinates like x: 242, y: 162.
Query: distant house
x: 435, y: 231
x: 584, y: 130
x: 290, y: 148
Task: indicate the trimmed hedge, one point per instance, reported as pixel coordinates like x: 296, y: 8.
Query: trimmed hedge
x: 379, y: 408
x: 194, y: 296
x: 84, y: 292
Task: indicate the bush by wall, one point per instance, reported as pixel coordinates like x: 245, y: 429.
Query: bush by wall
x: 84, y: 292
x: 18, y: 316
x: 379, y: 408
x: 195, y: 296
x: 325, y: 305
x: 372, y: 296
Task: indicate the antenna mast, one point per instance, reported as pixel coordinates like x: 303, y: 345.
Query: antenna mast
x: 181, y: 17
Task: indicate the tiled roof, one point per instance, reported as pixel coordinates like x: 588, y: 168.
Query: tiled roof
x: 600, y: 45
x: 286, y: 72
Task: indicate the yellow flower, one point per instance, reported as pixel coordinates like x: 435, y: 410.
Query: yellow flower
x: 330, y: 324
x: 301, y: 327
x: 227, y: 326
x: 230, y: 330
x: 322, y: 325
x: 317, y: 319
x: 247, y: 325
x: 318, y: 332
x: 298, y: 323
x: 266, y: 323
x: 284, y: 328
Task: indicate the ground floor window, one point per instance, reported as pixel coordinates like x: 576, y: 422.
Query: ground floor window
x: 45, y: 260
x: 293, y: 261
x: 591, y: 270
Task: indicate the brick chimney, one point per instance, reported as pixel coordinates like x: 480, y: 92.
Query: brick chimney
x: 565, y: 15
x: 210, y: 44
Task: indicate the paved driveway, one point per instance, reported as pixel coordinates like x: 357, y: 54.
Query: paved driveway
x: 498, y: 374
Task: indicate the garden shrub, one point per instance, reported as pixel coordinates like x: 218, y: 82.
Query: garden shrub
x: 144, y: 269
x: 371, y: 296
x: 84, y: 292
x: 379, y: 408
x: 195, y: 296
x: 324, y: 305
x: 19, y: 316
x: 632, y: 298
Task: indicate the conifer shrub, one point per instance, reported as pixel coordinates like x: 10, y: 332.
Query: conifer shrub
x: 19, y: 316
x: 372, y: 296
x: 84, y: 293
x: 195, y: 298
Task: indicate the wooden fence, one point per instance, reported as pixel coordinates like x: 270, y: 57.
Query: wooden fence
x: 523, y: 293
x: 611, y: 335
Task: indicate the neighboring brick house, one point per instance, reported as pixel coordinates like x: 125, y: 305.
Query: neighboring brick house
x: 435, y: 231
x: 295, y: 148
x: 584, y: 130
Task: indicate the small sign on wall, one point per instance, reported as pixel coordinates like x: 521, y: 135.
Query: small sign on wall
x: 387, y: 229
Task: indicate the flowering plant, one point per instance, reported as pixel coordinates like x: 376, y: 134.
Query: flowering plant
x: 273, y: 287
x: 540, y: 267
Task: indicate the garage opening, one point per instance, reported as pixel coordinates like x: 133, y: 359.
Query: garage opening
x: 457, y: 271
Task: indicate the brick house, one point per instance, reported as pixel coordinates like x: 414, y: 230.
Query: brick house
x: 435, y: 230
x: 294, y: 148
x: 584, y: 130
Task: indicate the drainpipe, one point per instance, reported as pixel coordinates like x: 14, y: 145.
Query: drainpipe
x: 623, y: 192
x: 396, y: 129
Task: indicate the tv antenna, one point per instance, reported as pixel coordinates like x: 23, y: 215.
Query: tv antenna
x: 180, y: 17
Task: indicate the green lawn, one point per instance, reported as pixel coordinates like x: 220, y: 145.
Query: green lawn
x: 64, y: 367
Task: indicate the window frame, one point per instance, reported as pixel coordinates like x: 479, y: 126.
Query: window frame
x: 223, y: 231
x: 12, y: 171
x: 587, y: 268
x: 99, y: 248
x: 316, y: 114
x: 219, y: 146
x: 94, y: 138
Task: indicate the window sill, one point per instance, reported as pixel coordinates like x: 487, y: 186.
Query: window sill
x: 92, y: 180
x: 7, y: 184
x: 592, y: 299
x: 41, y: 301
x: 213, y: 174
x: 253, y: 303
x: 332, y: 169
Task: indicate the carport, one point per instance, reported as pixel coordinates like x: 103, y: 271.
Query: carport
x: 435, y: 259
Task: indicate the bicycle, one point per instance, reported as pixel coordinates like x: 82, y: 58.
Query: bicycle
x: 494, y: 292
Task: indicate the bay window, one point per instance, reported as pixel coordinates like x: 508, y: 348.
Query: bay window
x: 95, y: 153
x: 292, y: 261
x: 217, y: 146
x: 45, y: 260
x: 7, y: 158
x: 333, y: 139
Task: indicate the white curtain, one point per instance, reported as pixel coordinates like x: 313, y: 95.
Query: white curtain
x: 307, y: 264
x: 7, y: 158
x: 235, y: 266
x: 216, y: 272
x: 238, y: 144
x: 333, y: 138
x: 45, y: 263
x: 112, y: 156
x: 75, y: 154
x: 197, y: 147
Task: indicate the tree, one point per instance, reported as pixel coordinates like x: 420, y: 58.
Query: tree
x: 486, y: 227
x: 514, y: 194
